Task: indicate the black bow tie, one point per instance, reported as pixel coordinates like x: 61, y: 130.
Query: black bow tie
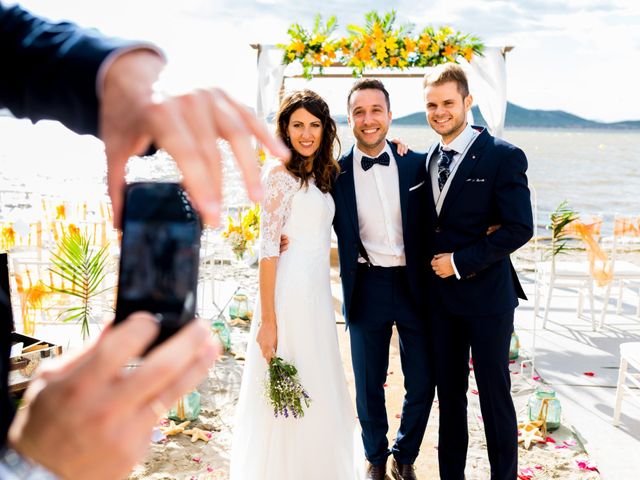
x: 368, y: 162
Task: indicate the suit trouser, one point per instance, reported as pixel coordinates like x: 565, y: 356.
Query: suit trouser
x: 489, y: 338
x: 382, y: 298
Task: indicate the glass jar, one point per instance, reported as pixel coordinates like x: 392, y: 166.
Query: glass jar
x: 187, y: 408
x: 535, y: 406
x: 239, y: 307
x: 220, y: 328
x: 514, y: 346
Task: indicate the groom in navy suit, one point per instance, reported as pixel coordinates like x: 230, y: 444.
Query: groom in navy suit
x: 377, y: 196
x: 473, y: 181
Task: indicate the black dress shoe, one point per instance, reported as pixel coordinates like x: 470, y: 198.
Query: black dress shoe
x: 400, y: 471
x: 376, y: 472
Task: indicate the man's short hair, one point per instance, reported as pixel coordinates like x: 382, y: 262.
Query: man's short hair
x: 368, y: 83
x: 449, y: 72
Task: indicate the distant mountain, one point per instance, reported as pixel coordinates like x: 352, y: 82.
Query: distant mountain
x: 520, y: 117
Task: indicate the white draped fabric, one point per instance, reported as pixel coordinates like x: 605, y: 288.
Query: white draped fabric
x: 488, y: 85
x: 487, y: 81
x: 270, y: 73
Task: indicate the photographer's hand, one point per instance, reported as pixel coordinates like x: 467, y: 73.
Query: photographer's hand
x: 187, y: 126
x: 86, y: 417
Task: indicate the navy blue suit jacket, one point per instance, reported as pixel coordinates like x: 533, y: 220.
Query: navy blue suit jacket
x: 49, y: 71
x: 346, y: 226
x: 489, y: 187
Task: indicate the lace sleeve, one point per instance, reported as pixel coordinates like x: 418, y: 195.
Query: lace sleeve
x: 278, y: 190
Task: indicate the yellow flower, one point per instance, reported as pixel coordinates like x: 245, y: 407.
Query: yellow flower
x: 390, y: 42
x: 34, y: 295
x: 291, y: 55
x: 8, y: 237
x: 317, y: 40
x: 61, y: 212
x: 425, y: 42
x: 409, y: 45
x: 364, y: 54
x: 435, y: 49
x: 329, y: 48
x: 73, y: 230
x: 262, y: 156
x: 468, y: 53
x: 377, y: 31
x: 402, y: 63
x: 381, y: 53
x: 450, y: 50
x: 298, y: 46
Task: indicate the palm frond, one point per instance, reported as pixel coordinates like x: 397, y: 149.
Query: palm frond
x: 560, y: 218
x: 85, y: 270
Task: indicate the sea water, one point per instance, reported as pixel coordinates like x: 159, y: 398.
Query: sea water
x: 596, y: 171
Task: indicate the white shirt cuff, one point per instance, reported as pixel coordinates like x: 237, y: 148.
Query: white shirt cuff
x: 14, y: 466
x: 113, y: 56
x: 455, y: 270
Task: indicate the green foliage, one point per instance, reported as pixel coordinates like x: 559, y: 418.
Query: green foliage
x: 560, y: 218
x: 84, y: 269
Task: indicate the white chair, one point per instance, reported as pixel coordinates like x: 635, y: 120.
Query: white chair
x: 626, y: 275
x: 575, y: 274
x: 629, y: 356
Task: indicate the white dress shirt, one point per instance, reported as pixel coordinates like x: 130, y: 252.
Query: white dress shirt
x: 460, y: 145
x: 379, y: 213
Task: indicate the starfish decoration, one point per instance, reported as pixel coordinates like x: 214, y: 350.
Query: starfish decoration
x: 198, y: 434
x: 529, y: 433
x: 173, y: 429
x: 238, y: 322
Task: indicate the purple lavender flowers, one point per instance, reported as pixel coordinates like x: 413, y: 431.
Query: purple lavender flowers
x: 284, y: 390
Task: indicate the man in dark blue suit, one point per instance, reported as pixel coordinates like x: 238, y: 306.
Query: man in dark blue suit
x: 377, y: 196
x: 473, y: 181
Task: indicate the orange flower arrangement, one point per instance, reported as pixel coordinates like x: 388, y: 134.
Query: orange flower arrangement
x: 377, y: 44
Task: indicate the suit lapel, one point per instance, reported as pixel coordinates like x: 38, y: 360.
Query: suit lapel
x: 403, y: 183
x: 431, y: 205
x: 347, y: 190
x: 468, y: 162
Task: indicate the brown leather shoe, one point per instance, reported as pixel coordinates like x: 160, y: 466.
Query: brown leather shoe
x: 376, y: 472
x: 400, y: 471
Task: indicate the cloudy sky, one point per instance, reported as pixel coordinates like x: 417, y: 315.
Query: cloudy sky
x: 582, y: 56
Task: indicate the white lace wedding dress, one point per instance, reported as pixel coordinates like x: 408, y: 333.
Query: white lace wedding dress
x: 324, y: 444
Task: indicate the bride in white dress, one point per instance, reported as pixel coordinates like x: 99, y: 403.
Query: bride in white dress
x: 294, y: 316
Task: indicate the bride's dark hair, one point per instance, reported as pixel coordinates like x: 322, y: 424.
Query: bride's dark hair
x: 325, y: 168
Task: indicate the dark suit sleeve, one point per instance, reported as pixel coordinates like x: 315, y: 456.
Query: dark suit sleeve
x: 513, y: 202
x: 49, y: 69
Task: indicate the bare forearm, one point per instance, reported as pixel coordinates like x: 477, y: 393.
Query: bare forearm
x: 267, y: 289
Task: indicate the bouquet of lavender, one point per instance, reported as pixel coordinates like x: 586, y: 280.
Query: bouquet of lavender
x: 284, y: 390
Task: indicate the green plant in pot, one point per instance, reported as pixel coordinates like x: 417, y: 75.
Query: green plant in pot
x: 84, y: 269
